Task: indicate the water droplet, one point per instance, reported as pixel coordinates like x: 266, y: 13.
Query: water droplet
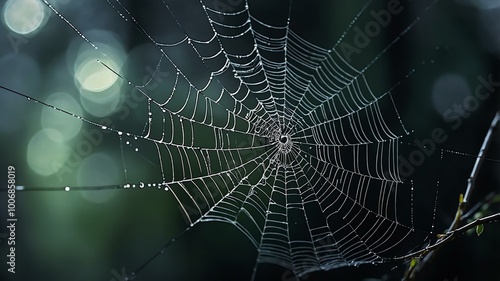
x: 67, y: 188
x: 120, y: 133
x: 104, y: 127
x: 136, y: 149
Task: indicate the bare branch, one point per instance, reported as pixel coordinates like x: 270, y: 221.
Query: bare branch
x: 471, y: 184
x: 486, y: 201
x: 454, y: 230
x: 449, y: 236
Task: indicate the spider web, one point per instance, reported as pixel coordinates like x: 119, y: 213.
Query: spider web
x: 259, y: 128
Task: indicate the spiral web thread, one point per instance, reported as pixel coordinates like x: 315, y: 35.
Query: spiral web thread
x: 277, y: 136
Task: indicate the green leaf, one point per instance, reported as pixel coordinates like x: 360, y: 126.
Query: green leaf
x: 413, y: 262
x: 479, y: 229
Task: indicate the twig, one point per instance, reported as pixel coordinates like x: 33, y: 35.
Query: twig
x: 449, y: 236
x: 486, y: 201
x: 471, y: 184
x: 454, y: 230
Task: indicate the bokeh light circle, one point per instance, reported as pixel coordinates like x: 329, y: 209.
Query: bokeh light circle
x: 448, y: 90
x: 95, y: 77
x: 24, y: 16
x: 47, y: 152
x: 68, y: 126
x: 99, y: 86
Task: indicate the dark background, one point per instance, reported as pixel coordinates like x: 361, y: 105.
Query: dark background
x: 74, y: 236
